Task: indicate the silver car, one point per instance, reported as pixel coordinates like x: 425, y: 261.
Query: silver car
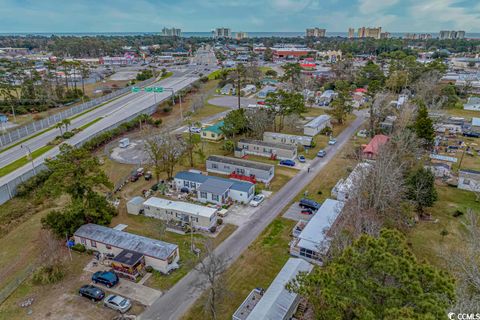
x: 118, y: 303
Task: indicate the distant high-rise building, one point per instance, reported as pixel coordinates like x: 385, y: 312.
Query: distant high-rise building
x: 225, y: 33
x: 385, y: 35
x: 315, y: 32
x: 414, y: 36
x: 351, y: 33
x: 365, y: 32
x: 451, y: 34
x: 171, y: 32
x: 241, y: 35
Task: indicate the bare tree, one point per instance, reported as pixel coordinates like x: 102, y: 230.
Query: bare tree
x: 464, y: 262
x: 164, y: 151
x: 211, y: 269
x: 259, y: 121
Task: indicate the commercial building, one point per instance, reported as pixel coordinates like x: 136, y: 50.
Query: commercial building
x: 276, y: 303
x: 451, y: 34
x: 180, y: 212
x: 271, y: 150
x: 222, y: 33
x: 351, y: 33
x: 171, y: 32
x: 278, y: 137
x: 241, y: 169
x: 291, y: 52
x: 314, y: 127
x: 315, y: 32
x: 240, y: 35
x: 345, y: 188
x: 330, y: 55
x: 162, y: 256
x: 211, y: 189
x: 213, y: 132
x: 314, y: 240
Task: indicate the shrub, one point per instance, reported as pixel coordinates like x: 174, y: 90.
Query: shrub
x: 149, y: 269
x: 213, y: 229
x: 457, y: 213
x: 167, y: 109
x: 79, y: 247
x: 48, y: 274
x: 326, y: 131
x: 219, y: 221
x: 68, y: 135
x: 204, y: 79
x: 25, y: 188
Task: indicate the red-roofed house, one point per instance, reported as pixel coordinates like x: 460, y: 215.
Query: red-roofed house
x: 373, y: 147
x: 362, y: 90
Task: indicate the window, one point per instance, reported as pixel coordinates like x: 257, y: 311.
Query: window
x: 204, y: 134
x: 83, y: 241
x: 226, y: 167
x: 466, y: 182
x: 93, y: 243
x: 185, y: 183
x: 214, y: 197
x: 214, y: 166
x: 203, y: 195
x: 213, y: 135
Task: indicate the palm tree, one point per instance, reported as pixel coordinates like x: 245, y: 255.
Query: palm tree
x: 85, y: 71
x: 59, y: 125
x: 66, y: 122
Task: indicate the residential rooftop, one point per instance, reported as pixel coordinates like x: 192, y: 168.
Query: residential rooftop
x: 187, y: 207
x: 124, y: 240
x: 201, y: 178
x: 318, y: 121
x: 269, y: 144
x: 241, y: 162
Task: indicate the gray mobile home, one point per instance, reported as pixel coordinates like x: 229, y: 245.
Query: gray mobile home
x: 226, y: 165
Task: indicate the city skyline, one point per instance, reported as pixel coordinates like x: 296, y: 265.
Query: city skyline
x: 249, y: 15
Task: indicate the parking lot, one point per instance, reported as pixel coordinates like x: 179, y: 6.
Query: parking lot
x: 294, y: 213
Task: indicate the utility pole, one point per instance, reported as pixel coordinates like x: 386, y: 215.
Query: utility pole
x: 29, y: 155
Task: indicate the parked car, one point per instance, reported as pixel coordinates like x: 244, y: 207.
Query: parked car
x: 301, y: 159
x: 108, y: 278
x: 257, y: 200
x: 332, y: 141
x: 117, y: 303
x: 91, y: 292
x: 471, y: 134
x: 322, y: 153
x: 148, y: 175
x: 195, y: 130
x: 308, y: 203
x: 306, y: 211
x: 289, y: 163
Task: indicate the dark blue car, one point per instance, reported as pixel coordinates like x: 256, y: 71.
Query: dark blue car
x: 107, y: 278
x: 289, y: 163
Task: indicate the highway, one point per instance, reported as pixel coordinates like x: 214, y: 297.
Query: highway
x: 177, y: 300
x: 111, y: 113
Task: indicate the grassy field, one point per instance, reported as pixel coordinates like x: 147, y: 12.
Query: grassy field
x: 85, y: 126
x: 23, y: 161
x: 426, y: 237
x: 256, y: 267
x: 207, y: 110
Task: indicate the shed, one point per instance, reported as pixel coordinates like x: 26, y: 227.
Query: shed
x: 135, y: 205
x: 372, y: 149
x: 213, y: 132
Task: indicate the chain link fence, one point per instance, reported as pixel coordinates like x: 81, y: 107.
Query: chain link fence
x: 31, y: 128
x: 6, y: 291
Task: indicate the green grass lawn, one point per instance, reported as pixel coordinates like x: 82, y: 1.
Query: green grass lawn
x: 90, y: 123
x: 207, y: 110
x: 256, y: 267
x: 23, y: 161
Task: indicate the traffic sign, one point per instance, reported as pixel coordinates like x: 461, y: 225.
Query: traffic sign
x: 158, y: 89
x: 148, y: 89
x: 136, y: 89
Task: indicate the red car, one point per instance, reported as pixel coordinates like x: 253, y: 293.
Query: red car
x: 306, y: 211
x: 261, y: 103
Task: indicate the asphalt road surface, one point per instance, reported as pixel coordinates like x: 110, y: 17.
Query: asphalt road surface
x: 176, y: 301
x: 111, y: 113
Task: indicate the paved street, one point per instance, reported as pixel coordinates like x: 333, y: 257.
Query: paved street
x: 175, y: 302
x: 112, y: 113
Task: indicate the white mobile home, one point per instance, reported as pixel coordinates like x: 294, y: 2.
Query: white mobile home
x: 276, y: 303
x: 473, y: 104
x: 233, y: 166
x: 211, y: 189
x: 181, y: 212
x: 314, y: 240
x: 469, y: 180
x: 347, y: 187
x: 314, y: 127
x: 162, y: 256
x: 279, y: 151
x: 287, y: 138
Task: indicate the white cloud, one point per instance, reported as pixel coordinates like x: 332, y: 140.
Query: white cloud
x: 375, y: 6
x: 290, y: 5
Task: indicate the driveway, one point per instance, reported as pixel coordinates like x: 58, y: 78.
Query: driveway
x: 175, y: 302
x: 294, y: 213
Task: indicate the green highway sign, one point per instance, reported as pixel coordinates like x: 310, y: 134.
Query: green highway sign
x: 149, y: 89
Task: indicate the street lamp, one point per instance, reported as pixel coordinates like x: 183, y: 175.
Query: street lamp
x: 29, y: 155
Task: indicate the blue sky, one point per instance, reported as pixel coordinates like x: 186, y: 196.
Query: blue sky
x: 240, y: 15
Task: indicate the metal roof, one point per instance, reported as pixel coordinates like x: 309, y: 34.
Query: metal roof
x: 215, y: 187
x: 136, y: 200
x: 313, y: 236
x: 277, y: 300
x: 241, y: 162
x: 268, y: 144
x: 186, y: 207
x: 318, y: 121
x: 124, y: 240
x: 476, y: 122
x: 200, y: 178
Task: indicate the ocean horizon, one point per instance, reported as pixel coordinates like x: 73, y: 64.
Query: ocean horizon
x: 206, y: 34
